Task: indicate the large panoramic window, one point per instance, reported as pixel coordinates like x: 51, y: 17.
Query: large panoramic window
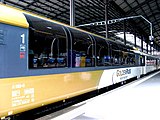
x: 151, y: 61
x: 126, y: 56
x: 47, y: 44
x: 83, y: 48
x: 102, y: 52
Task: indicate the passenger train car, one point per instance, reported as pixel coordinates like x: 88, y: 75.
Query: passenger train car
x: 43, y: 61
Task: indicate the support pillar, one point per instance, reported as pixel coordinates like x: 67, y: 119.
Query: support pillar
x: 106, y: 16
x: 147, y: 47
x: 147, y: 44
x: 135, y: 42
x: 124, y: 31
x: 72, y: 13
x: 142, y: 43
x: 150, y: 49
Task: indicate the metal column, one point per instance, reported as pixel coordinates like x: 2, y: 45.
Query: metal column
x: 150, y: 49
x: 124, y: 31
x: 142, y: 43
x: 106, y: 16
x: 153, y: 49
x: 147, y: 47
x: 135, y: 42
x: 72, y: 13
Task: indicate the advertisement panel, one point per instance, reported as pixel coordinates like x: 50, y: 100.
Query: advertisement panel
x: 113, y: 76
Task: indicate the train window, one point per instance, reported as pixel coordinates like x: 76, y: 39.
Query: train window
x: 131, y: 56
x: 47, y: 44
x: 82, y: 49
x: 158, y: 62
x: 122, y: 54
x: 131, y: 59
x: 102, y: 52
x: 126, y: 57
x: 142, y: 60
x: 137, y: 59
x: 151, y: 61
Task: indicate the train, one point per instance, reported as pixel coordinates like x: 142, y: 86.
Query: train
x: 43, y: 61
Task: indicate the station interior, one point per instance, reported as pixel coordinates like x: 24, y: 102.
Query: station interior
x: 135, y: 23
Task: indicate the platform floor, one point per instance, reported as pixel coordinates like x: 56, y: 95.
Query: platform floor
x: 136, y: 101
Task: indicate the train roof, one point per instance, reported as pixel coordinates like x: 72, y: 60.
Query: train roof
x: 14, y: 16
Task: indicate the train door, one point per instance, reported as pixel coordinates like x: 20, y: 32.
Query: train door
x: 156, y: 64
x: 13, y: 54
x: 143, y: 64
x: 138, y: 64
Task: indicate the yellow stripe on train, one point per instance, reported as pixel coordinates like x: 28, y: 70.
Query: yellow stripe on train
x: 24, y: 93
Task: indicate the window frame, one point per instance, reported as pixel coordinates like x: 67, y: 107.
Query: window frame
x: 43, y: 33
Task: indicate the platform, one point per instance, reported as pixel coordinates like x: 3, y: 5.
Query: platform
x: 137, y: 101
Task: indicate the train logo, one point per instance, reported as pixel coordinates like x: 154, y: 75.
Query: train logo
x: 120, y: 73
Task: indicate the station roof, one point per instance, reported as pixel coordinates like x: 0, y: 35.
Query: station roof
x: 88, y: 11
